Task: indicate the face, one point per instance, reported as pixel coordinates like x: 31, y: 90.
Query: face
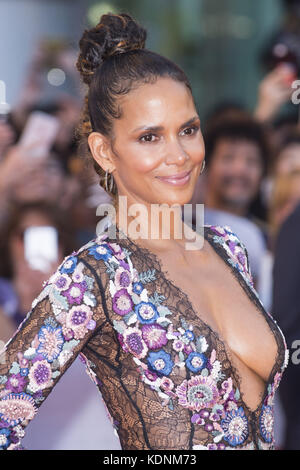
x: 158, y: 136
x: 289, y: 159
x: 235, y: 172
x: 292, y: 199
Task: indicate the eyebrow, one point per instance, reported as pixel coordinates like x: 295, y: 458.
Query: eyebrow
x: 161, y: 128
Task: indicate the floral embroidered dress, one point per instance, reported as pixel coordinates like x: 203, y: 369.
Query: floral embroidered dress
x: 164, y: 375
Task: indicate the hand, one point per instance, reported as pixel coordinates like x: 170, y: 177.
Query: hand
x: 17, y: 158
x: 28, y: 282
x: 274, y: 90
x: 7, y: 329
x: 7, y: 136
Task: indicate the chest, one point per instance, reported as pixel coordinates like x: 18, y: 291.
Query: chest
x: 220, y: 301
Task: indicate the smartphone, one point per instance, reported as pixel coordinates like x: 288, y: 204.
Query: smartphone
x: 41, y: 128
x: 41, y: 247
x: 4, y: 107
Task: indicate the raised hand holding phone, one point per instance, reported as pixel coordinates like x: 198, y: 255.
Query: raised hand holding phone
x: 41, y: 247
x: 41, y: 129
x: 4, y: 106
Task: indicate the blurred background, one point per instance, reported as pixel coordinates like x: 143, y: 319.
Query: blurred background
x: 242, y: 58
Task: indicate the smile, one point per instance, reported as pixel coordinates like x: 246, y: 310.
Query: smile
x: 176, y: 180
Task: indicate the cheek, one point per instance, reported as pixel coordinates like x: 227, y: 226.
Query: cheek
x: 195, y: 149
x: 197, y: 152
x: 141, y: 161
x: 255, y: 173
x: 219, y: 168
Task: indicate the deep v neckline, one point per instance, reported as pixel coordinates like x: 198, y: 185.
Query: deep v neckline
x: 219, y: 250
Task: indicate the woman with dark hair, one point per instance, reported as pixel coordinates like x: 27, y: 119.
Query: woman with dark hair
x: 179, y: 344
x: 19, y: 282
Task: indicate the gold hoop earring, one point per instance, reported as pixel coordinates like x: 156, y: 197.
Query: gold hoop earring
x: 202, y: 168
x: 111, y: 184
x: 105, y: 182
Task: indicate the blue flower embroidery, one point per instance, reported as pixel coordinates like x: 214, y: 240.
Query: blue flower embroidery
x: 266, y: 422
x: 189, y: 335
x: 146, y: 312
x: 196, y: 361
x: 51, y: 342
x: 137, y: 287
x: 69, y: 265
x: 160, y: 362
x: 235, y: 427
x: 5, y: 440
x: 100, y: 252
x: 24, y: 371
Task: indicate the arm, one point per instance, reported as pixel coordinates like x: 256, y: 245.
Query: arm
x: 63, y: 318
x: 274, y: 91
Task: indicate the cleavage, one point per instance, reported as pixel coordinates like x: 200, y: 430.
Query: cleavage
x: 222, y: 304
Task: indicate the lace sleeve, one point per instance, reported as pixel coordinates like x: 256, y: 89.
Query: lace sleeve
x: 63, y: 318
x: 235, y: 250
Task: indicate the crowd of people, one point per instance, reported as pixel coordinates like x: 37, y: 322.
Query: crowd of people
x: 251, y: 183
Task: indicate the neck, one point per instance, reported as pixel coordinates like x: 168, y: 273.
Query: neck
x: 159, y: 226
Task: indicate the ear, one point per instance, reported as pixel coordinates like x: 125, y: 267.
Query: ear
x: 101, y: 151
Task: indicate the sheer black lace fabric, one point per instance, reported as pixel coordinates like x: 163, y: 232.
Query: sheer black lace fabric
x: 166, y: 378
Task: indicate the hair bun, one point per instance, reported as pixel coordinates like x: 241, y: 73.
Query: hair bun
x: 114, y: 34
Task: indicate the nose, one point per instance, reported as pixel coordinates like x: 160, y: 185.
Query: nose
x: 240, y: 167
x: 175, y: 153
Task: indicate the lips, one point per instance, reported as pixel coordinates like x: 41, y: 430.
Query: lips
x: 179, y: 179
x: 177, y: 176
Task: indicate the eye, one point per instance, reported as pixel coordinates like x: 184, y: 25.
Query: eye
x: 148, y: 138
x: 190, y: 130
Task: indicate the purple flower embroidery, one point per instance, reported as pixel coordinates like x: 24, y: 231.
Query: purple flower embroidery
x: 218, y: 230
x: 117, y: 250
x: 242, y: 259
x: 134, y: 343
x: 40, y: 376
x: 76, y: 292
x: 197, y: 393
x: 178, y: 345
x: 196, y: 419
x: 154, y: 335
x: 188, y: 349
x: 166, y: 384
x: 232, y: 245
x: 122, y: 303
x: 151, y: 375
x: 61, y: 281
x: 16, y: 383
x: 79, y: 320
x: 122, y: 278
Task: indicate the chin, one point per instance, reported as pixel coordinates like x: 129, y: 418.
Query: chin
x: 178, y: 199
